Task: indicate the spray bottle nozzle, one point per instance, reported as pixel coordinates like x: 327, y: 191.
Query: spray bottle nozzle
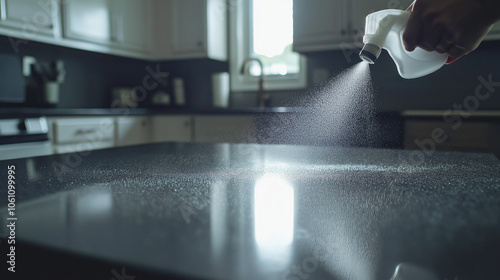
x: 370, y: 53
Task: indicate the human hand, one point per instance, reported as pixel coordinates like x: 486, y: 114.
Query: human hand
x: 455, y: 27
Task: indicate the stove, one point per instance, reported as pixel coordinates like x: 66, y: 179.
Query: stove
x: 24, y: 137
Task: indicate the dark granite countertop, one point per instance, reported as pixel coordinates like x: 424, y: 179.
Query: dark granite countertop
x: 235, y: 211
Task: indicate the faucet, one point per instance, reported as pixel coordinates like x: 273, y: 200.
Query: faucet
x: 263, y: 97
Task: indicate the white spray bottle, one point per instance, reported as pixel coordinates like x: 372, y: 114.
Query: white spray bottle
x: 384, y: 30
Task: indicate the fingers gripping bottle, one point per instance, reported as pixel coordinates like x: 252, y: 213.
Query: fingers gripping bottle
x: 384, y: 30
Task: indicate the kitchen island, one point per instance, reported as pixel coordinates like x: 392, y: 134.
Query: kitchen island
x: 247, y: 211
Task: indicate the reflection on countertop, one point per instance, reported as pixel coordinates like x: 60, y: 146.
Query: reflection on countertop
x: 234, y: 211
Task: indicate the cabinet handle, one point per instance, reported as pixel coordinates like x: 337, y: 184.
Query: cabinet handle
x: 343, y: 32
x: 356, y: 31
x: 85, y: 131
x: 113, y: 28
x: 119, y: 28
x: 3, y: 10
x: 116, y: 28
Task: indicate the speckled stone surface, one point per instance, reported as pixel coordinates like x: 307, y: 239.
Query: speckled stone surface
x: 228, y: 211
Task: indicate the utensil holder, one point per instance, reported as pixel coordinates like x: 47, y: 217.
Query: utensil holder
x: 51, y: 93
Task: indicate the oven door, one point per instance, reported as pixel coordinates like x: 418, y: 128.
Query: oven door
x: 25, y: 150
x: 24, y: 137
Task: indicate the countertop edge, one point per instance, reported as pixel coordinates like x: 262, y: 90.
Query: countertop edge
x: 7, y: 112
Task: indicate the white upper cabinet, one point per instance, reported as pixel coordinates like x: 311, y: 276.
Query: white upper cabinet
x: 32, y: 17
x: 147, y: 29
x: 189, y: 27
x: 193, y: 29
x: 131, y: 22
x: 334, y: 24
x: 88, y: 20
x: 361, y: 8
x: 319, y: 24
x: 117, y: 23
x: 339, y: 24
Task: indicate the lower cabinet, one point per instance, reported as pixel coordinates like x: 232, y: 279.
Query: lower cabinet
x: 82, y: 134
x: 470, y: 136
x: 214, y: 128
x: 71, y: 135
x: 171, y: 129
x: 132, y: 131
x: 227, y: 129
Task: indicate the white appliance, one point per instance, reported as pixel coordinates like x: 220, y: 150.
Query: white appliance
x: 24, y: 137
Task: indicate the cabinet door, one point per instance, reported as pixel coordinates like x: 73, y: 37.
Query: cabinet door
x: 318, y: 24
x: 471, y: 137
x: 361, y: 8
x: 88, y: 20
x: 32, y: 16
x: 81, y: 130
x: 225, y: 129
x: 188, y: 28
x: 171, y: 129
x: 132, y: 131
x: 70, y: 135
x: 131, y: 21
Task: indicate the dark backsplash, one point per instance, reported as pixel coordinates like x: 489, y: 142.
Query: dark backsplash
x: 453, y: 84
x: 91, y: 76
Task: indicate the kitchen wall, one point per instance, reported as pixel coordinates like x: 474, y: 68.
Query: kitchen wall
x: 442, y: 89
x: 439, y: 91
x: 91, y: 76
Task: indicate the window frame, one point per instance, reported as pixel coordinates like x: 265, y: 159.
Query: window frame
x: 240, y: 29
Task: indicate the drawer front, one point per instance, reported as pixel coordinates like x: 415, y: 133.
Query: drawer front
x: 132, y: 131
x: 470, y: 136
x: 93, y: 130
x: 83, y: 147
x: 172, y: 128
x: 228, y: 129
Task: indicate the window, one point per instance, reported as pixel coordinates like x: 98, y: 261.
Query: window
x: 263, y: 29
